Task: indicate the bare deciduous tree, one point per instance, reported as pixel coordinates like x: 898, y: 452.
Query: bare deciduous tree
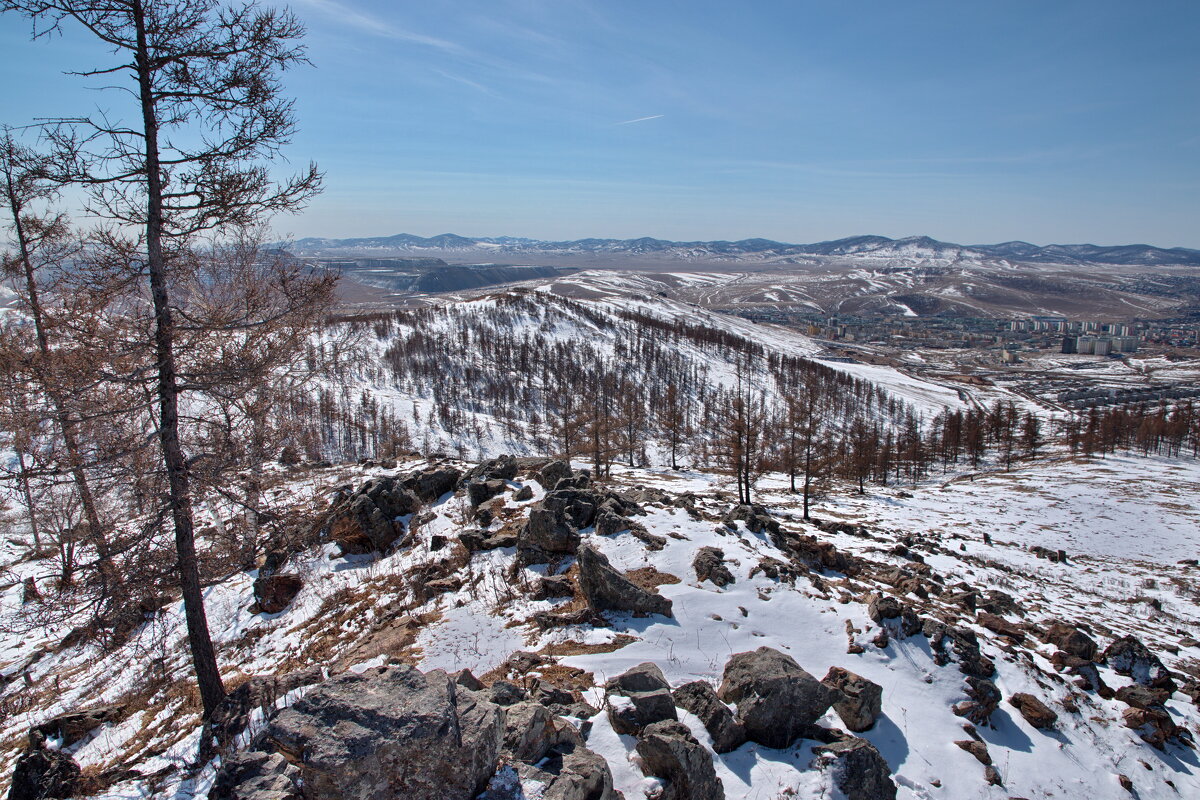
x: 208, y: 110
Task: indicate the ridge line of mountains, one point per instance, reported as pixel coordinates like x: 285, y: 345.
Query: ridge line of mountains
x: 760, y: 249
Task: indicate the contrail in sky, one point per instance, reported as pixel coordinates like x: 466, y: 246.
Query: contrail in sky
x: 639, y: 119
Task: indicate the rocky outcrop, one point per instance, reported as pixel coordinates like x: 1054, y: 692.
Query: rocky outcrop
x: 552, y: 473
x: 699, y: 698
x: 431, y: 485
x: 890, y: 613
x: 984, y: 699
x: 639, y: 697
x: 756, y: 518
x: 859, y: 701
x: 44, y: 774
x: 366, y: 521
x: 74, y: 726
x: 670, y: 752
x: 951, y: 643
x: 479, y: 492
x: 1070, y: 639
x: 776, y: 699
x: 1035, y: 712
x: 274, y: 593
x: 389, y: 732
x: 1128, y: 656
x: 605, y: 589
x: 256, y: 776
x: 857, y: 769
x: 709, y: 565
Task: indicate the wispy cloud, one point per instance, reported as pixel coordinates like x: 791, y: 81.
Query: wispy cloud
x: 369, y: 23
x: 640, y: 119
x: 477, y: 86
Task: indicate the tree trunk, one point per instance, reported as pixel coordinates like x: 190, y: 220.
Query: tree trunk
x: 27, y: 494
x: 208, y: 676
x: 87, y: 501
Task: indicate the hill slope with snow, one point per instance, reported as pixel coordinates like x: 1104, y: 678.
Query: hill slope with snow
x: 438, y: 601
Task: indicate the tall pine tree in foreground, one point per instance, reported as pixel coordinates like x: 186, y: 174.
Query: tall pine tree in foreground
x: 208, y: 113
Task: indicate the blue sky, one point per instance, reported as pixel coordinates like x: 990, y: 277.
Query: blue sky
x: 973, y: 121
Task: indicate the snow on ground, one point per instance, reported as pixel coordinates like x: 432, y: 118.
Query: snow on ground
x: 359, y: 611
x: 1120, y: 507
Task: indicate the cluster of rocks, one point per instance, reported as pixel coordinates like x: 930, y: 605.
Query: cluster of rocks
x: 777, y: 702
x: 572, y: 504
x: 396, y: 731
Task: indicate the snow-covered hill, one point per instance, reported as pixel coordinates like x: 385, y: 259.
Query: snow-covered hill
x: 912, y: 249
x: 454, y: 593
x: 484, y: 375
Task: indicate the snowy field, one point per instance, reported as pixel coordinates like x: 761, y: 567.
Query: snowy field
x: 1120, y: 507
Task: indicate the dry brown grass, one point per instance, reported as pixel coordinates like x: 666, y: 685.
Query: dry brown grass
x: 574, y: 648
x: 649, y: 578
x: 572, y: 679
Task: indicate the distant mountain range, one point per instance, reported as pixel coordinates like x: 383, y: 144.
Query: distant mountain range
x: 914, y: 248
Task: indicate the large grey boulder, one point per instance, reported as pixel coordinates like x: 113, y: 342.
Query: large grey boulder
x: 531, y: 730
x: 256, y: 776
x: 544, y: 532
x: 669, y: 751
x: 859, y: 702
x: 605, y: 589
x: 430, y: 485
x: 552, y: 473
x: 389, y: 732
x: 776, y: 699
x: 857, y: 769
x: 701, y: 699
x: 639, y: 697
